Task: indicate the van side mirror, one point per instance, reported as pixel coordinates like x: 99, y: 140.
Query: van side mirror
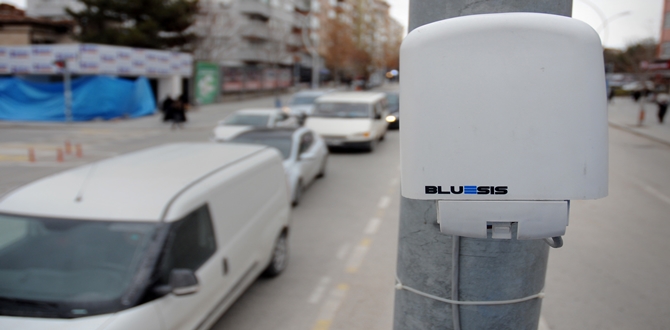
x: 378, y: 116
x: 181, y: 282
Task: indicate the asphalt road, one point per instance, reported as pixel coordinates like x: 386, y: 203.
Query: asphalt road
x: 343, y: 244
x: 612, y: 273
x: 614, y: 269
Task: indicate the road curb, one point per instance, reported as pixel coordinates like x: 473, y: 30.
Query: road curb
x: 638, y: 133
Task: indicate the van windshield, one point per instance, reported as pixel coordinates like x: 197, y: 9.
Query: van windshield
x: 342, y: 110
x: 59, y: 268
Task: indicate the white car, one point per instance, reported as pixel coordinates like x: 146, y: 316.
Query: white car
x: 302, y: 103
x: 248, y: 119
x: 350, y: 119
x: 165, y: 238
x: 305, y: 154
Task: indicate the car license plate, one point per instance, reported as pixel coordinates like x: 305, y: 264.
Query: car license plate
x: 334, y: 142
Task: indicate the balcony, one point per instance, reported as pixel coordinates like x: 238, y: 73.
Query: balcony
x: 255, y: 30
x: 299, y: 21
x: 294, y: 40
x: 254, y: 7
x: 251, y: 53
x: 302, y: 5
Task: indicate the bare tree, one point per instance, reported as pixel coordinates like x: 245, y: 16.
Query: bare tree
x: 338, y: 47
x: 363, y: 34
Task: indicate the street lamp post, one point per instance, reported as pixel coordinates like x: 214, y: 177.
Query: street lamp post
x: 67, y: 88
x: 604, y: 25
x: 604, y: 20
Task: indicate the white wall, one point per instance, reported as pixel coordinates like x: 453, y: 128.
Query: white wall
x: 170, y: 86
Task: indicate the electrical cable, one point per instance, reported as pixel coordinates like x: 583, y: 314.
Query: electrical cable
x: 555, y: 242
x: 455, y: 263
x: 400, y: 286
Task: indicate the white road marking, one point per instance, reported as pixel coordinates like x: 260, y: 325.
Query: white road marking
x: 373, y: 226
x: 656, y: 193
x: 543, y: 324
x: 384, y: 202
x: 330, y: 307
x: 343, y: 251
x: 316, y: 295
x: 356, y: 258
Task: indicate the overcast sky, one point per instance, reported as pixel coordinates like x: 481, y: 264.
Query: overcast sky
x: 628, y: 20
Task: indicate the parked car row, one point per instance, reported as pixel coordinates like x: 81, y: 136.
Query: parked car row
x: 333, y: 119
x: 168, y: 237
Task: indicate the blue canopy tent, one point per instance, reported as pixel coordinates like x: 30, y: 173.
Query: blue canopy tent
x: 92, y: 97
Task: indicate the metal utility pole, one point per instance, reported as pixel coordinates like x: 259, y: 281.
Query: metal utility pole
x: 67, y: 88
x: 486, y: 269
x: 67, y: 83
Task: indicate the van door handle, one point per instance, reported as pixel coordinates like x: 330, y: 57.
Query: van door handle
x: 225, y: 266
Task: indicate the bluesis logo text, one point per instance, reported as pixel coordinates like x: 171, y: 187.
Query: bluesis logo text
x: 467, y: 190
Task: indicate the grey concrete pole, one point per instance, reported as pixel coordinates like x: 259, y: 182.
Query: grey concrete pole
x: 488, y: 270
x: 67, y: 92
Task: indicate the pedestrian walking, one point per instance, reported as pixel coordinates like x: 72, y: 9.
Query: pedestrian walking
x: 662, y: 100
x: 636, y: 95
x: 178, y: 113
x: 167, y: 109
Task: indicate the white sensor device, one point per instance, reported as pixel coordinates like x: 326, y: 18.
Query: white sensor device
x: 504, y: 121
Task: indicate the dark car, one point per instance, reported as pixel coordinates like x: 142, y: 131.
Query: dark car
x: 393, y: 118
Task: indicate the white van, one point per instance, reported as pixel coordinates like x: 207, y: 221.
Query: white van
x: 350, y: 119
x: 164, y: 238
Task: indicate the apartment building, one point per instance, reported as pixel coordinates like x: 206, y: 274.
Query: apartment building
x: 664, y: 47
x: 251, y: 32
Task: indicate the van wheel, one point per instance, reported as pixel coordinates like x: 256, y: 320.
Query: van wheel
x: 298, y: 193
x: 279, y: 257
x: 322, y: 172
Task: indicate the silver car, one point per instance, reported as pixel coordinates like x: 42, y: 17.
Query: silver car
x: 305, y: 154
x: 249, y: 119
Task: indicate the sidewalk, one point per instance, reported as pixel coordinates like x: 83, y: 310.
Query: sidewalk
x: 623, y: 113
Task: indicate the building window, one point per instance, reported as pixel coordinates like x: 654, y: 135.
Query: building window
x: 666, y: 21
